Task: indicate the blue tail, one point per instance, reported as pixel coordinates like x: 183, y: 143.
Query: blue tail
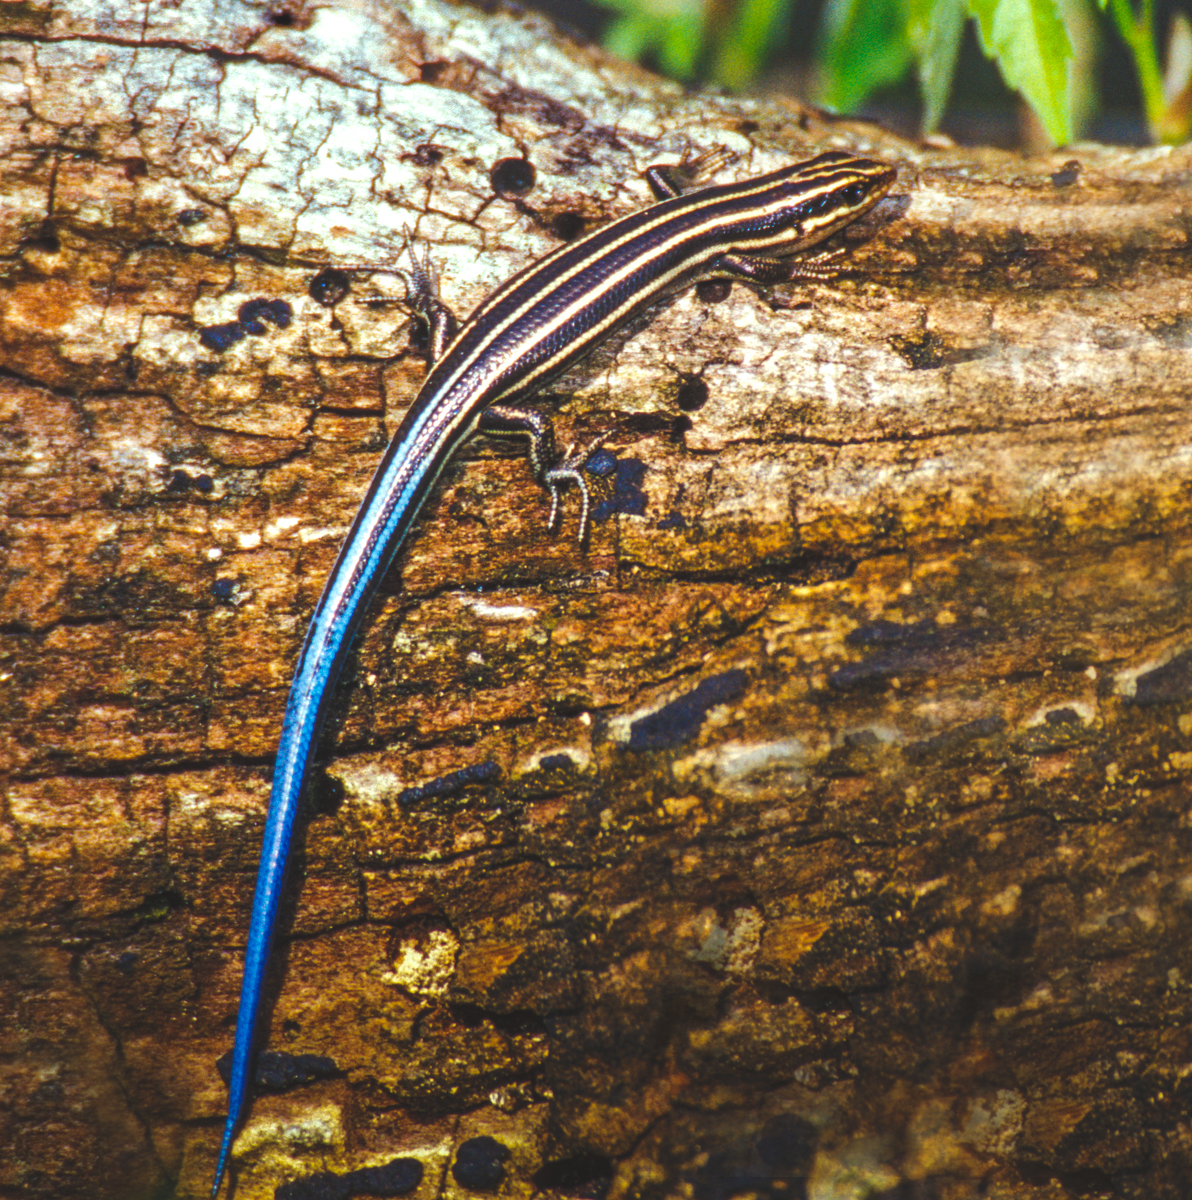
x: 420, y: 449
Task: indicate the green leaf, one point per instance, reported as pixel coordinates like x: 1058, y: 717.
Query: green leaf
x: 1138, y: 32
x: 1028, y: 41
x: 629, y: 37
x: 673, y: 29
x: 757, y: 25
x: 863, y: 46
x: 682, y: 39
x: 935, y: 28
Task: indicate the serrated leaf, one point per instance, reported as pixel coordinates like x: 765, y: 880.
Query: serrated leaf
x: 1028, y: 41
x: 935, y: 28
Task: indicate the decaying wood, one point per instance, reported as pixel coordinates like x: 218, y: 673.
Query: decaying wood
x: 837, y: 838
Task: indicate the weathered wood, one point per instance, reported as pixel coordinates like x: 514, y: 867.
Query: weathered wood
x: 840, y: 832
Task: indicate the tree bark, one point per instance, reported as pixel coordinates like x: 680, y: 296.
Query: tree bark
x: 832, y: 837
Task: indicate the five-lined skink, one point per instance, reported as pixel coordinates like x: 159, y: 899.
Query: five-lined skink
x: 526, y: 334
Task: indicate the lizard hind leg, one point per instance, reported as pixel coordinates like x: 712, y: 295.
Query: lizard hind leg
x: 569, y: 470
x: 550, y: 468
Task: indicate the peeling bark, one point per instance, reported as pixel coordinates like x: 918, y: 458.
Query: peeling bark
x: 836, y: 838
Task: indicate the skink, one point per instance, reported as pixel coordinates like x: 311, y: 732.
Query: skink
x: 526, y: 334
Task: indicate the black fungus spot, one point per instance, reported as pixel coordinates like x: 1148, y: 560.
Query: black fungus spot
x: 281, y: 18
x: 512, y: 176
x: 587, y: 1176
x: 681, y: 426
x: 692, y: 395
x: 1063, y: 716
x: 713, y: 291
x: 179, y: 481
x: 329, y: 287
x: 223, y: 589
x: 1076, y: 658
x: 427, y: 154
x: 470, y: 1016
x: 567, y: 226
x: 393, y: 1178
x: 952, y: 740
x: 127, y: 961
x: 277, y: 1071
x: 432, y: 71
x: 254, y: 313
x: 862, y: 739
x: 627, y: 496
x: 452, y: 784
x: 324, y: 1186
x: 1067, y: 175
x: 191, y: 216
x: 680, y: 720
x: 204, y: 484
x: 1172, y: 681
x: 219, y: 338
x: 556, y: 762
x: 745, y: 128
x: 1061, y: 728
x: 46, y: 240
x: 900, y: 650
x: 324, y: 795
x: 887, y: 633
x: 160, y: 904
x: 601, y: 464
x: 480, y: 1164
